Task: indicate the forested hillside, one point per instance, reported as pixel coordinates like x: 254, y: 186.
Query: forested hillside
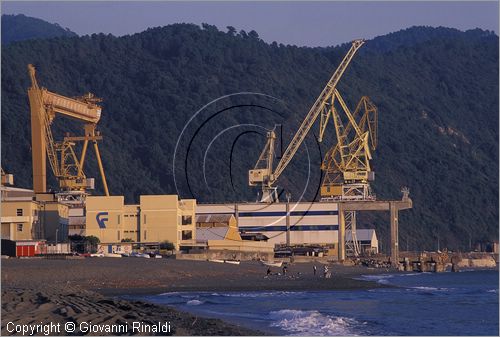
x: 20, y: 27
x: 169, y: 126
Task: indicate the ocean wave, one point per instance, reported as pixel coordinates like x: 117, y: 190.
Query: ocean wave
x: 170, y: 293
x: 313, y: 323
x: 431, y: 289
x: 380, y: 278
x: 261, y: 294
x: 413, y: 274
x: 492, y: 291
x: 194, y: 302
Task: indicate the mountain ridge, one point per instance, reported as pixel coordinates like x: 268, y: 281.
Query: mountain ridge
x: 21, y: 27
x: 438, y: 117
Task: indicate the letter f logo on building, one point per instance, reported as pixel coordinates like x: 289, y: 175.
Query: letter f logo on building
x: 101, y: 221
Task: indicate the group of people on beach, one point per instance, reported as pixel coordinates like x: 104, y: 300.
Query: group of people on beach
x: 326, y: 271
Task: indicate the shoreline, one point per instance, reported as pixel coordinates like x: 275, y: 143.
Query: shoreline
x: 92, y: 289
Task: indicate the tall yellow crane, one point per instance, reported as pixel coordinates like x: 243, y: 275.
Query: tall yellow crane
x: 65, y: 164
x: 346, y: 166
x: 263, y: 174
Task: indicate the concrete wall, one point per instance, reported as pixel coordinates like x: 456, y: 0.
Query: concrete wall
x: 240, y: 246
x: 226, y: 255
x: 487, y: 262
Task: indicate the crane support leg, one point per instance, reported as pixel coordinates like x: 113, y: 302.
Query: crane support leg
x: 394, y: 234
x: 38, y: 148
x: 82, y: 157
x: 341, y: 239
x: 101, y: 169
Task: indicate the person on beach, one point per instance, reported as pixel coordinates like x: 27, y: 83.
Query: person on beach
x: 325, y: 271
x: 284, y: 270
x: 268, y: 271
x: 314, y: 270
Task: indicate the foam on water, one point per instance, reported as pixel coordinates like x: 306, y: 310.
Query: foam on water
x: 381, y: 278
x: 172, y: 293
x: 261, y: 294
x: 194, y: 302
x: 432, y: 289
x: 312, y: 323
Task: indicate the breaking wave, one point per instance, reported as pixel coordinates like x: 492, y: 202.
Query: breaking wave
x: 431, y: 289
x: 382, y: 278
x: 261, y: 294
x: 312, y: 323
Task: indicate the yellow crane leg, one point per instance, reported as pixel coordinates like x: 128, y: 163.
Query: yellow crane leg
x: 101, y: 169
x: 82, y: 157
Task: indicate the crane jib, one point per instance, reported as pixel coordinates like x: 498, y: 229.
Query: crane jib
x: 317, y: 107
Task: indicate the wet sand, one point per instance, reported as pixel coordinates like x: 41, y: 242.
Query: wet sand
x: 84, y: 290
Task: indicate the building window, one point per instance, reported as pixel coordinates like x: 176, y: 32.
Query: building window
x: 145, y: 238
x: 187, y: 235
x: 118, y: 219
x: 19, y: 227
x: 118, y: 232
x: 144, y: 218
x: 19, y: 212
x: 187, y: 220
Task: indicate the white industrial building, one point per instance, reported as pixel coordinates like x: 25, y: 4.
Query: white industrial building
x: 311, y: 223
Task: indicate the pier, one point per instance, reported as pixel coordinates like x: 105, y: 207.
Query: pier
x: 393, y: 206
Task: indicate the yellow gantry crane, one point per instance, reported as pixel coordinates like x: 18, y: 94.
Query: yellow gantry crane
x: 65, y: 164
x: 263, y: 173
x: 346, y: 165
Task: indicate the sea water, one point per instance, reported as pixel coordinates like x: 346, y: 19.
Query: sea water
x: 464, y: 303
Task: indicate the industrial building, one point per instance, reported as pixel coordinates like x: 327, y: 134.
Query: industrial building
x: 26, y: 217
x: 367, y: 240
x: 311, y: 223
x: 155, y: 219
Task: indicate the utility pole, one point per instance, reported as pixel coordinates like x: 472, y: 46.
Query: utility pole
x: 288, y: 195
x: 57, y: 232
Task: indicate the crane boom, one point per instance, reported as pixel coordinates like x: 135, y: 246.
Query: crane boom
x: 317, y: 107
x: 263, y: 173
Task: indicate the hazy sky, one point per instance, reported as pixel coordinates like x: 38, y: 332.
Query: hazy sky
x: 311, y: 24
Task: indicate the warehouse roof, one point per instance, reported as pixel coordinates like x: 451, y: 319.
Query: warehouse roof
x: 362, y: 235
x: 214, y: 233
x: 220, y: 218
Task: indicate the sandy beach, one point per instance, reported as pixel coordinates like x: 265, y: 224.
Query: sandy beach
x: 40, y: 291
